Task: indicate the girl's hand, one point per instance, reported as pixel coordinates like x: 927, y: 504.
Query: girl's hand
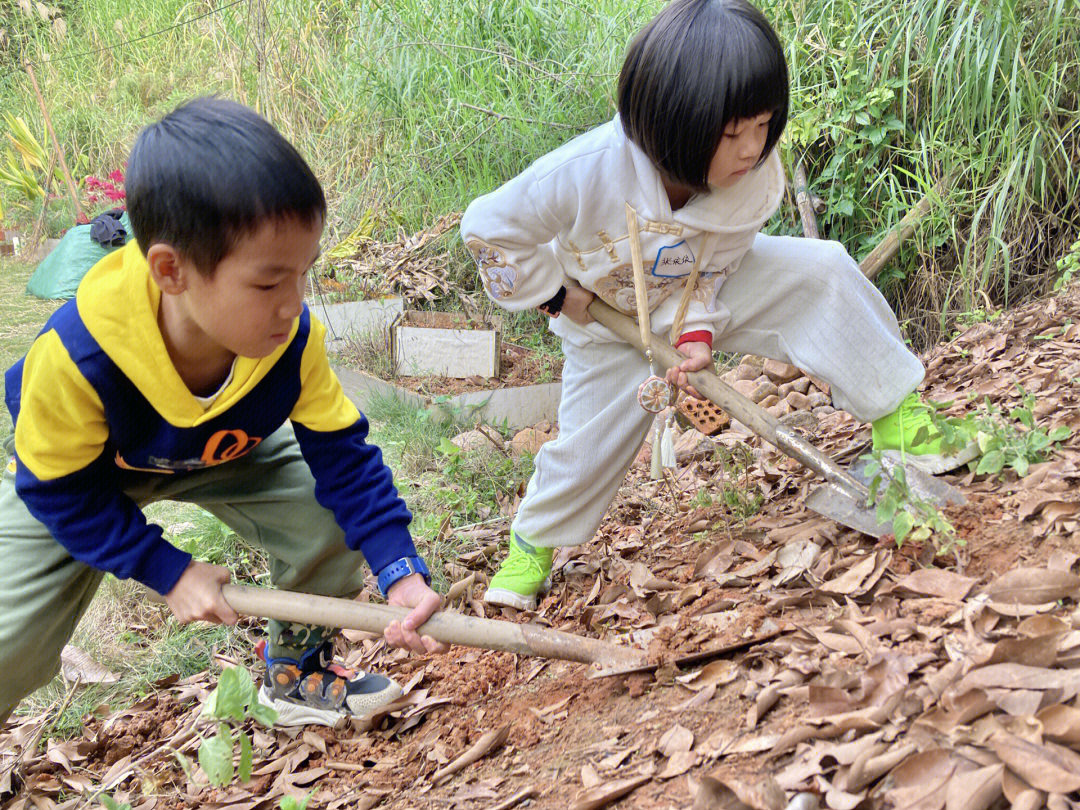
x: 413, y: 592
x: 196, y: 596
x: 698, y: 356
x: 576, y: 305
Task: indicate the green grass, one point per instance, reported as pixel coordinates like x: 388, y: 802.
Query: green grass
x: 408, y: 110
x: 21, y: 318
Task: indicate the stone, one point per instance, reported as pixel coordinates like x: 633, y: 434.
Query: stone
x: 476, y: 440
x: 529, y: 440
x: 780, y: 372
x: 769, y: 401
x: 779, y: 409
x: 745, y: 387
x: 818, y: 399
x: 802, y: 422
x: 765, y: 389
x: 693, y: 444
x: 797, y: 401
x: 753, y: 360
x: 746, y: 372
x: 824, y: 410
x: 800, y: 384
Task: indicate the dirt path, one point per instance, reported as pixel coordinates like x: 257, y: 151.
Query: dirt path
x: 893, y: 679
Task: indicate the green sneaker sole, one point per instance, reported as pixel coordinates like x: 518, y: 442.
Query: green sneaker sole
x: 504, y: 597
x: 934, y: 463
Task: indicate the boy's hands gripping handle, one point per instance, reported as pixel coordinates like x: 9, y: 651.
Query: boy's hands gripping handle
x: 197, y: 596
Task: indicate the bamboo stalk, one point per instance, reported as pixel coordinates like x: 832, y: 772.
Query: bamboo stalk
x: 451, y: 628
x: 876, y: 259
x: 56, y: 143
x: 804, y: 204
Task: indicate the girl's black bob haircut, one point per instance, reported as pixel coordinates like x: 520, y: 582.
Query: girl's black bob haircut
x: 697, y: 66
x: 211, y: 172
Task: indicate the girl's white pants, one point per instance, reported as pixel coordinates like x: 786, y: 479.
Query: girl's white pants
x: 802, y: 301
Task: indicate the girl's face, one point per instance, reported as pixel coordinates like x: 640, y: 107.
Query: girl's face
x: 739, y: 149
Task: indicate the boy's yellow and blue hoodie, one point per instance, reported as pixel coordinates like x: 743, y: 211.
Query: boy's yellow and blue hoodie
x: 97, y: 405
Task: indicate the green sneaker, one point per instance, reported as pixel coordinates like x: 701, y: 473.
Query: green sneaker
x: 897, y: 436
x: 523, y: 574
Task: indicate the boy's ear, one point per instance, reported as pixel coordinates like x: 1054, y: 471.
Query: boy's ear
x: 167, y: 268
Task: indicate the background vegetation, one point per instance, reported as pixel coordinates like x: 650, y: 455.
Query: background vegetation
x: 410, y: 108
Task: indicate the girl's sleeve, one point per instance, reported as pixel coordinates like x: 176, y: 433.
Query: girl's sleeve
x: 510, y: 233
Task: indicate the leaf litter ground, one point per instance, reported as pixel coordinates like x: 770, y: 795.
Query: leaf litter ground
x: 889, y: 678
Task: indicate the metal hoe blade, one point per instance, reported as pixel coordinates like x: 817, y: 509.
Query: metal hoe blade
x: 837, y: 504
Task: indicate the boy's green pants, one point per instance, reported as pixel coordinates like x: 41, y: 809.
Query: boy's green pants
x: 267, y: 497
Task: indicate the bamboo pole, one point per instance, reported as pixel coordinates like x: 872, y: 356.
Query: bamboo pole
x: 876, y: 259
x: 804, y: 204
x: 56, y: 143
x: 451, y: 628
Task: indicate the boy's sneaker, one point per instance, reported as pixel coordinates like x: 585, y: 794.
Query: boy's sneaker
x: 315, y: 691
x: 523, y: 574
x: 898, y: 435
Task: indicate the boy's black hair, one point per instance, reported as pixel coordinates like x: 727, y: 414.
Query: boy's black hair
x: 697, y: 66
x: 210, y: 172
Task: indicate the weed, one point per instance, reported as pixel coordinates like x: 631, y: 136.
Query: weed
x: 912, y: 517
x: 1015, y: 442
x: 737, y: 493
x: 1068, y: 265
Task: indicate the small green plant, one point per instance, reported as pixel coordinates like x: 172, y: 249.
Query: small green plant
x: 1008, y: 445
x: 234, y: 701
x: 1068, y: 265
x: 912, y: 517
x: 737, y: 492
x: 112, y: 804
x: 1014, y: 442
x: 701, y: 500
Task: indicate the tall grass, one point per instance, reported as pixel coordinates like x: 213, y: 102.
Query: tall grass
x: 410, y: 108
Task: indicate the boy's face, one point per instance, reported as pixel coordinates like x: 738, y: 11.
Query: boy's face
x: 739, y: 149
x: 248, y: 306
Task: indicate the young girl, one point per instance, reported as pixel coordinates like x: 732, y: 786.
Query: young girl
x: 703, y: 99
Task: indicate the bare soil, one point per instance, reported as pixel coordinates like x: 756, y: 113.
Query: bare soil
x: 889, y: 678
x: 518, y: 366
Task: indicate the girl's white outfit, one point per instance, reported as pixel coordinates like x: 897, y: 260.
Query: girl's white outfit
x: 801, y: 301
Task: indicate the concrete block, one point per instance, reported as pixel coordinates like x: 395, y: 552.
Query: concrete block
x: 443, y: 343
x: 356, y: 319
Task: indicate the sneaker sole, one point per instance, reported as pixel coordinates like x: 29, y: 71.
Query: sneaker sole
x: 507, y: 598
x: 297, y: 714
x: 933, y: 463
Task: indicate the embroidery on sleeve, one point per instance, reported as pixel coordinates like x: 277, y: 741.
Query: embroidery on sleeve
x: 500, y: 278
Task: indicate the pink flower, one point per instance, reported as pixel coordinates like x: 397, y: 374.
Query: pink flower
x: 116, y: 176
x: 114, y: 194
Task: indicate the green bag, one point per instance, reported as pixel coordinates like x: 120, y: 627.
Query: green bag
x: 60, y: 272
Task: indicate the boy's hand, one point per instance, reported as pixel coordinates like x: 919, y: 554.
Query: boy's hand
x: 698, y: 356
x: 413, y: 592
x: 196, y: 596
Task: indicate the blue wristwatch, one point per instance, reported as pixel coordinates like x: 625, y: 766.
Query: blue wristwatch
x: 399, y: 569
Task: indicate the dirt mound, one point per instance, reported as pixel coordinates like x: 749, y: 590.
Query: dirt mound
x: 891, y: 678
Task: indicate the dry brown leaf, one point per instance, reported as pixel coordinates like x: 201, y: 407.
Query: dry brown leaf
x: 1036, y: 651
x: 1046, y: 767
x: 679, y: 763
x: 974, y: 790
x: 676, y: 739
x: 1061, y: 724
x: 485, y: 745
x: 1032, y: 586
x: 77, y: 665
x: 605, y: 794
x: 852, y: 581
x: 712, y: 794
x: 1018, y: 676
x: 589, y: 777
x: 935, y: 582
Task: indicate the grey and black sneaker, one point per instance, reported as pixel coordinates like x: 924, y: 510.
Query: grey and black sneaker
x: 315, y: 691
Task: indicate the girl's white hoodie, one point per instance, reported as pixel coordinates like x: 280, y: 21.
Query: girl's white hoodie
x: 565, y: 217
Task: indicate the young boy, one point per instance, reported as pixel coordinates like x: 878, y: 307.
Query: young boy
x: 188, y: 368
